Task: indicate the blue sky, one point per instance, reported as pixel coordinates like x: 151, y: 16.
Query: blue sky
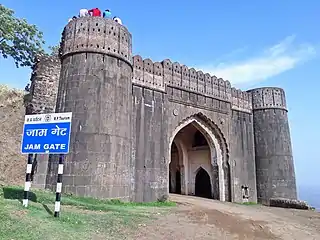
x: 250, y: 43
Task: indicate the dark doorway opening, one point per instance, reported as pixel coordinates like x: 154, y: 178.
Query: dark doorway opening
x: 203, y: 184
x: 199, y: 140
x: 177, y: 185
x: 170, y: 185
x: 178, y: 182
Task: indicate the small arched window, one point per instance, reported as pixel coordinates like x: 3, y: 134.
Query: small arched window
x: 199, y: 140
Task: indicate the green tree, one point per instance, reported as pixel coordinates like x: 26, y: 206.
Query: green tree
x: 54, y: 50
x: 18, y: 39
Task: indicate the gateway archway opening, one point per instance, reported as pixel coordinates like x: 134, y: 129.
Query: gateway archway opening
x: 203, y: 184
x: 190, y: 155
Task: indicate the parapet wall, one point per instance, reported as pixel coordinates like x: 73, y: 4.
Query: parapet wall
x: 96, y: 34
x: 268, y: 97
x: 158, y: 75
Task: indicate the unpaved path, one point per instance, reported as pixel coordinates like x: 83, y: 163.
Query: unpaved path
x: 198, y: 218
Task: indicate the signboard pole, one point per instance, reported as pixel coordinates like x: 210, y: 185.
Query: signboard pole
x: 27, y: 183
x: 47, y: 133
x: 59, y: 186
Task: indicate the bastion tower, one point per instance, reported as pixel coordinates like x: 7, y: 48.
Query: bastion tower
x: 273, y: 150
x: 95, y: 85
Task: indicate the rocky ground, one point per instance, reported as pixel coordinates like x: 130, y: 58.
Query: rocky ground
x: 198, y: 218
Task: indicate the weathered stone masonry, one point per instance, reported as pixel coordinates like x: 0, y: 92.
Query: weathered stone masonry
x: 42, y: 99
x: 128, y: 111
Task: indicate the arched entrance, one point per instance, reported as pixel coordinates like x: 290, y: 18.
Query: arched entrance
x: 203, y: 184
x: 174, y: 173
x: 198, y: 160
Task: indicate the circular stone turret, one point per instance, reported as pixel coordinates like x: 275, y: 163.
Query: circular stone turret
x: 95, y: 85
x: 268, y: 98
x: 97, y: 35
x: 274, y: 161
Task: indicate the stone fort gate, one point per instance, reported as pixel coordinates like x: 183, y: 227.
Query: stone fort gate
x: 141, y: 129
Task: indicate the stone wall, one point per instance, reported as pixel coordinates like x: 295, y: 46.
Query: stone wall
x: 44, y: 85
x: 150, y: 143
x: 188, y: 84
x: 242, y: 156
x: 42, y: 99
x: 273, y: 150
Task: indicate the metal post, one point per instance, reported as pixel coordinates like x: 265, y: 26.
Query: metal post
x: 59, y: 186
x: 27, y: 183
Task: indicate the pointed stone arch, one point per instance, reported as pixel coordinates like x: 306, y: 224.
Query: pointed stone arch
x: 203, y: 183
x: 217, y: 144
x: 183, y: 159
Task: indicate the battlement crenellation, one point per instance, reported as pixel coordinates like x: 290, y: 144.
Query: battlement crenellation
x: 158, y: 75
x: 97, y: 35
x: 268, y: 97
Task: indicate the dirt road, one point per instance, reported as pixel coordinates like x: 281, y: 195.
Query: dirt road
x: 198, y: 218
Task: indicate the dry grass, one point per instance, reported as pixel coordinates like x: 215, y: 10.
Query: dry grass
x: 12, y: 162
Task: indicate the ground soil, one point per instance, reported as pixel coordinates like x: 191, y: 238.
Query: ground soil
x: 198, y: 218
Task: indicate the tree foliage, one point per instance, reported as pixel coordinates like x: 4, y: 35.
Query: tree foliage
x: 54, y: 50
x: 19, y: 39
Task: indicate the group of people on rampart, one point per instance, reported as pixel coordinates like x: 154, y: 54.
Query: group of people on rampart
x: 96, y: 12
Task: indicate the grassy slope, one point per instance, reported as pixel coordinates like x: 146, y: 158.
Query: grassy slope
x: 12, y: 163
x: 81, y: 218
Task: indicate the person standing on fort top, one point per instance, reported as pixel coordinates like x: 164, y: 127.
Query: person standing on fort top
x: 73, y: 18
x: 27, y: 88
x: 95, y: 12
x: 118, y: 20
x: 83, y: 12
x: 107, y: 13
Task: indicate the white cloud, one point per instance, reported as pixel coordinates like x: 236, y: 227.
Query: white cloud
x: 270, y: 62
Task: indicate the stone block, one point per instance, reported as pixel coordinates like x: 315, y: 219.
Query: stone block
x: 288, y: 203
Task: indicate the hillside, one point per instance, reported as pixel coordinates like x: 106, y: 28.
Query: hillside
x: 12, y: 163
